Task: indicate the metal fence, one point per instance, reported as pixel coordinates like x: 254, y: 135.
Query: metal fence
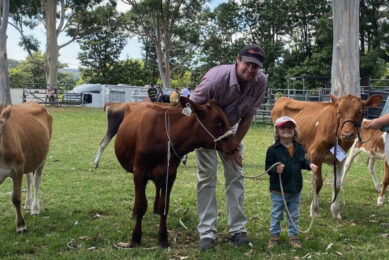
x: 316, y: 95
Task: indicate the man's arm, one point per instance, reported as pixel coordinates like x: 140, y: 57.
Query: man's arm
x: 243, y: 127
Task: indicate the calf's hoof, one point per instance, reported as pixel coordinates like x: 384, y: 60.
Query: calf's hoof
x: 134, y: 244
x: 22, y: 230
x: 164, y: 244
x: 380, y: 201
x: 337, y: 217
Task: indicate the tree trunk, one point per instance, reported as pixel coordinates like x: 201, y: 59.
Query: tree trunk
x: 345, y: 52
x: 5, y: 93
x: 51, y: 43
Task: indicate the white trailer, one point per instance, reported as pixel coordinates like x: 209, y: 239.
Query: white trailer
x: 96, y: 95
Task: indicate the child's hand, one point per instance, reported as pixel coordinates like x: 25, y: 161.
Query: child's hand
x: 280, y: 168
x: 313, y: 167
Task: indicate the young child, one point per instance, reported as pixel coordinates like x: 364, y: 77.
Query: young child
x: 290, y: 154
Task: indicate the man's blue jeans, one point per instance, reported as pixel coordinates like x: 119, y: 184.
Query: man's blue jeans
x: 293, y: 203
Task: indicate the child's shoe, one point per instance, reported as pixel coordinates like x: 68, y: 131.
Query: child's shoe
x: 294, y: 241
x: 273, y: 241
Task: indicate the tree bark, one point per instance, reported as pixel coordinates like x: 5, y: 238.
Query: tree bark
x: 345, y: 52
x: 51, y: 42
x: 5, y: 93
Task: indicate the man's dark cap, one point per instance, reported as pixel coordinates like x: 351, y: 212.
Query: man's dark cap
x: 253, y: 53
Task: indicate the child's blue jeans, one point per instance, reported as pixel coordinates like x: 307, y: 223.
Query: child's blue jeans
x: 293, y: 203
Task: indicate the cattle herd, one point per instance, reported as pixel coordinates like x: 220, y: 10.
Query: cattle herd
x: 149, y: 147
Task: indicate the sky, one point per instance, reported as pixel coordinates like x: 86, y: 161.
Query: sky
x: 69, y: 53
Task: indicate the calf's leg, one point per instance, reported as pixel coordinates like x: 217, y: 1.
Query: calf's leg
x: 17, y: 201
x: 157, y: 197
x: 37, y: 183
x: 335, y: 206
x: 317, y: 184
x: 104, y: 142
x: 371, y: 166
x: 349, y: 160
x: 385, y: 182
x: 163, y: 211
x: 28, y: 203
x: 140, y: 208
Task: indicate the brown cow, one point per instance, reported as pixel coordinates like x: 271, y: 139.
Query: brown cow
x: 141, y: 147
x: 24, y: 144
x: 115, y: 114
x: 374, y: 148
x: 320, y: 125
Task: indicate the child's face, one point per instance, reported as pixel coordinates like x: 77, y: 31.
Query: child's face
x: 286, y: 131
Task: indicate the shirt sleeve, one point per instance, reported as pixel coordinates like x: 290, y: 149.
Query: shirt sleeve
x: 270, y: 160
x: 262, y: 84
x: 203, y: 92
x: 305, y: 164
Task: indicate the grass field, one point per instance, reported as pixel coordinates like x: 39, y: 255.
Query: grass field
x: 86, y: 213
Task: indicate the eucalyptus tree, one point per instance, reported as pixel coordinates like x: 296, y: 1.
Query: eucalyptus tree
x: 104, y: 37
x: 57, y: 17
x: 29, y: 74
x: 345, y: 51
x: 5, y: 93
x: 172, y: 26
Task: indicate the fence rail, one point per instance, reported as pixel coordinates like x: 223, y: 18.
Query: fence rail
x: 317, y: 95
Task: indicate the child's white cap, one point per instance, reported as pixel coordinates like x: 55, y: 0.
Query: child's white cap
x: 283, y: 120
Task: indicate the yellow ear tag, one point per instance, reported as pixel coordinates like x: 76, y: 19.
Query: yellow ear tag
x: 187, y: 110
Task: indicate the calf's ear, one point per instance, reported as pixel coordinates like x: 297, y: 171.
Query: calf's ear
x: 373, y: 101
x: 4, y: 116
x: 186, y: 102
x: 334, y: 99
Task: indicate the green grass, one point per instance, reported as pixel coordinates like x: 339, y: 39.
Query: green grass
x: 86, y: 212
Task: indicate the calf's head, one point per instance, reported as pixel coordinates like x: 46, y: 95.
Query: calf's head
x: 349, y: 111
x: 214, y: 128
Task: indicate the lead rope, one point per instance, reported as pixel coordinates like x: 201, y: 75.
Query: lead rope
x: 167, y: 126
x: 287, y: 209
x: 170, y: 145
x: 282, y: 193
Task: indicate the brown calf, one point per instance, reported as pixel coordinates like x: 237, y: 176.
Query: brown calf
x: 142, y: 148
x: 115, y: 115
x: 320, y: 125
x: 24, y: 144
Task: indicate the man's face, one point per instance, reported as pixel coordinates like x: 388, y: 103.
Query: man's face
x: 246, y: 71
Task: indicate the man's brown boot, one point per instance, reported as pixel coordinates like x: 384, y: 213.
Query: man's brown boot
x: 294, y: 242
x: 273, y: 241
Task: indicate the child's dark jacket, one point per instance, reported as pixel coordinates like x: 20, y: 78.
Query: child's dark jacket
x: 291, y: 177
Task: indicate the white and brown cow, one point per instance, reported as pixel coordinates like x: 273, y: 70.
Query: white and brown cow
x: 320, y: 126
x: 24, y: 143
x: 375, y: 150
x: 373, y: 144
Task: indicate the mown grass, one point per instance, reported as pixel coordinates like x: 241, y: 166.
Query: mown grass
x: 85, y: 212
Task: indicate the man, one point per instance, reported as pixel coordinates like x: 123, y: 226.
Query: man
x: 239, y: 89
x: 152, y: 92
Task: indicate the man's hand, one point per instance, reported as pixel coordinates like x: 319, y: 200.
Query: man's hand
x: 313, y: 167
x: 236, y: 159
x: 373, y: 124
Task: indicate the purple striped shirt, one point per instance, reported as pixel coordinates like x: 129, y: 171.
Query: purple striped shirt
x: 221, y: 84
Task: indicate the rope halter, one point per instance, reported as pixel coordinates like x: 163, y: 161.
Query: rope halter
x: 215, y: 140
